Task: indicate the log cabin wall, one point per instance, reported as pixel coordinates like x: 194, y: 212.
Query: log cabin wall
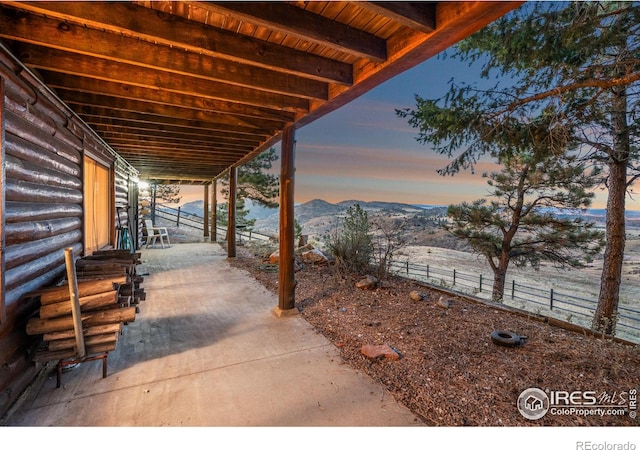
x: 43, y: 146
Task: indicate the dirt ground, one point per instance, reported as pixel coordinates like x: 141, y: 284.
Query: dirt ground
x: 450, y: 372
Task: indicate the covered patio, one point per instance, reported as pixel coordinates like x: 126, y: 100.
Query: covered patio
x: 207, y: 350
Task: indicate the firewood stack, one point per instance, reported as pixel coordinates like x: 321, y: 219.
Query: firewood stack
x: 102, y: 319
x: 112, y: 263
x: 108, y: 290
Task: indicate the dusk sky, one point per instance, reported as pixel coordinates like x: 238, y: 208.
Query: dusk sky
x: 363, y: 151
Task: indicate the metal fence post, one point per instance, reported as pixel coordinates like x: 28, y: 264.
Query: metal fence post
x: 178, y: 218
x: 480, y: 282
x: 551, y: 300
x: 513, y: 288
x: 454, y: 277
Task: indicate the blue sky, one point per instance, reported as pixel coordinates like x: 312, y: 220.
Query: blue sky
x: 363, y: 151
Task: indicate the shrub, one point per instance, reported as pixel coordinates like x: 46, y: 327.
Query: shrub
x: 351, y: 245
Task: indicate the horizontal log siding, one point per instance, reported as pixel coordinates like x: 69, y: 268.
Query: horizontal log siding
x: 40, y: 169
x: 44, y: 144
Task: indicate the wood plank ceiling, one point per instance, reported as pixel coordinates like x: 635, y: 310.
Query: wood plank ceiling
x: 184, y: 90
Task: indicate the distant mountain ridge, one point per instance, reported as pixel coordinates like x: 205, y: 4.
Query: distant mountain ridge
x: 317, y: 215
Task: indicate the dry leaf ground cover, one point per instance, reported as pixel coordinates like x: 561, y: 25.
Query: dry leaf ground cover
x: 450, y: 372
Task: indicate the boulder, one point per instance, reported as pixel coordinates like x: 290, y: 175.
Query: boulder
x: 305, y: 248
x: 379, y: 351
x: 314, y: 256
x: 274, y: 258
x: 368, y: 282
x: 443, y: 303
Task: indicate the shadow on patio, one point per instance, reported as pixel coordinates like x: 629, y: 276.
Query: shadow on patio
x: 206, y: 350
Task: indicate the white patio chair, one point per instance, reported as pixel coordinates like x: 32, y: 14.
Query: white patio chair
x: 155, y: 233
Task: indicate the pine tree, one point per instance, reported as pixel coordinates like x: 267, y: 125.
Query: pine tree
x: 254, y: 183
x: 575, y: 62
x: 521, y: 225
x: 352, y: 244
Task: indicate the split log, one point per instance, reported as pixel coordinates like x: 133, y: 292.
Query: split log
x: 84, y: 262
x: 88, y: 331
x: 105, y: 269
x: 114, y: 254
x: 127, y: 289
x: 99, y: 339
x: 97, y: 276
x: 100, y: 266
x: 87, y: 303
x: 85, y: 288
x: 36, y: 325
x: 46, y: 355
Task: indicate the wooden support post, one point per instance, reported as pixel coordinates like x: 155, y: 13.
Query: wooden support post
x: 231, y: 226
x: 3, y: 313
x: 286, y: 279
x: 205, y: 225
x: 75, y: 301
x: 214, y: 209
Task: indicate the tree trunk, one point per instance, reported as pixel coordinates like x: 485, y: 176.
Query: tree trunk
x: 605, y: 317
x: 500, y: 277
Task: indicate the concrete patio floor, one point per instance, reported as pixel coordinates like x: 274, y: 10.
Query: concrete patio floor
x: 206, y: 350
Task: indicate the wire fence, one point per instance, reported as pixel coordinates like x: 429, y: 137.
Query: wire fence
x: 181, y: 218
x: 549, y: 301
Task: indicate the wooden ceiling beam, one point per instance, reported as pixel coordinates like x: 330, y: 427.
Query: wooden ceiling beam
x: 176, y: 157
x: 52, y: 33
x: 202, y: 171
x: 172, y: 150
x: 191, y: 170
x: 102, y: 125
x: 196, y: 182
x: 111, y: 131
x: 144, y: 23
x: 74, y: 86
x: 91, y: 113
x: 419, y: 16
x: 224, y: 147
x: 88, y: 66
x: 93, y: 100
x: 160, y: 178
x: 304, y: 25
x: 202, y: 165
